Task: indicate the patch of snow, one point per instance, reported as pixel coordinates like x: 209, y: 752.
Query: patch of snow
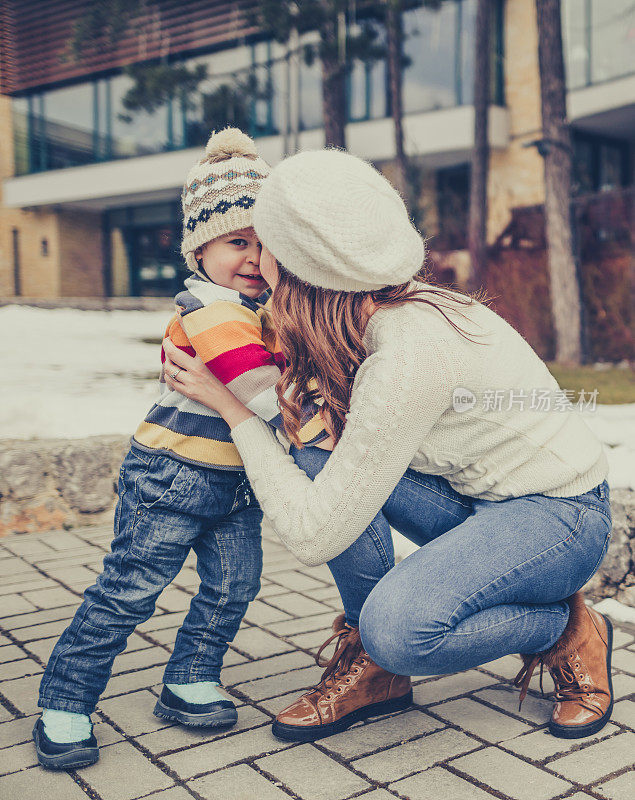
x: 70, y: 373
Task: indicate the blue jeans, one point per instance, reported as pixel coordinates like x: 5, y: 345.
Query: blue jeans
x: 166, y: 508
x: 488, y: 579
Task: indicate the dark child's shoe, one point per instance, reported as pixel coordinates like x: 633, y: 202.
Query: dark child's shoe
x: 219, y: 714
x: 352, y: 688
x: 580, y: 665
x: 71, y: 755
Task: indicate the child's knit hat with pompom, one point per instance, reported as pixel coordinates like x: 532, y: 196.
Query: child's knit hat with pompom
x: 220, y: 190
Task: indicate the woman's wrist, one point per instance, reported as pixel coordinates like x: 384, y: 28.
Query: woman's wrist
x: 234, y: 411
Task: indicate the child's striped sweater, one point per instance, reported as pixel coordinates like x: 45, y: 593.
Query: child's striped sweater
x: 234, y: 337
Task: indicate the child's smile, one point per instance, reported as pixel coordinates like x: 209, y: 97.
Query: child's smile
x: 233, y: 260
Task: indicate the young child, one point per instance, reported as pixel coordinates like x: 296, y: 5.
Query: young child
x: 182, y: 485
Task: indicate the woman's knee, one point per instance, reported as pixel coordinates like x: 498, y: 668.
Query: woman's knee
x: 383, y: 631
x: 399, y: 634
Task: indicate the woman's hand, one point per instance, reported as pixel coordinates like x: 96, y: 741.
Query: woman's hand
x: 190, y: 377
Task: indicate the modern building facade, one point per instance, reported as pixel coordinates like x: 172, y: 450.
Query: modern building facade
x: 90, y: 187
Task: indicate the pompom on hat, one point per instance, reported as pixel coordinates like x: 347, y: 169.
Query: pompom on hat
x: 333, y: 221
x: 220, y: 191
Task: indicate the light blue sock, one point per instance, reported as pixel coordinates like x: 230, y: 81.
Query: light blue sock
x: 198, y: 692
x: 65, y: 727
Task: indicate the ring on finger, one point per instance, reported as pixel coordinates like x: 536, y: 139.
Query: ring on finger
x: 173, y: 375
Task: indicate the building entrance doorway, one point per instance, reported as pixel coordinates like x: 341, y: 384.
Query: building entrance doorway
x: 157, y: 266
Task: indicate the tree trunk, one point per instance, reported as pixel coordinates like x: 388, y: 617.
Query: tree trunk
x: 477, y: 225
x: 394, y: 38
x: 333, y: 86
x: 565, y: 291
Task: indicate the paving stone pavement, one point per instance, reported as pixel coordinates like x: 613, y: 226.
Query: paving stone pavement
x: 464, y: 738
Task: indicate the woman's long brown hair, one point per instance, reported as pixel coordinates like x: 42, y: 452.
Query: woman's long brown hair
x: 321, y: 335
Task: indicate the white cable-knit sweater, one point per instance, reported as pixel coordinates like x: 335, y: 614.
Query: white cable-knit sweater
x: 401, y: 415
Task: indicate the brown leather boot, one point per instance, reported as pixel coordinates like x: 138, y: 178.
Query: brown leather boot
x: 352, y: 688
x: 580, y: 665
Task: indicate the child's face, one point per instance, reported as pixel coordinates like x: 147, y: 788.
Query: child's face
x: 233, y: 260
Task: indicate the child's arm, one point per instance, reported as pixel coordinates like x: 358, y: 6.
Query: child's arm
x: 229, y: 339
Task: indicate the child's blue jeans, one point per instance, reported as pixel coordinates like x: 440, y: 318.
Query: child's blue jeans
x: 488, y: 579
x: 166, y: 508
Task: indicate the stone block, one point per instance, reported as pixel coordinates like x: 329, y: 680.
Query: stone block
x: 539, y: 745
x: 257, y: 643
x: 271, y: 687
x: 311, y: 774
x: 19, y: 669
x: 449, y: 686
x: 264, y: 667
x: 289, y: 626
x: 404, y: 759
x: 223, y: 752
x: 36, y: 783
x: 480, y: 720
x: 239, y: 783
x: 177, y: 737
x: 620, y: 788
x: 510, y: 775
x: 123, y: 773
x: 363, y: 739
x: 23, y: 469
x: 438, y: 783
x: 534, y: 709
x: 86, y: 469
x: 296, y: 604
x: 624, y: 713
x: 132, y: 712
x: 597, y: 760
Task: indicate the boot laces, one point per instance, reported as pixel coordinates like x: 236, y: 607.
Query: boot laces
x: 348, y: 652
x: 524, y: 676
x: 567, y: 683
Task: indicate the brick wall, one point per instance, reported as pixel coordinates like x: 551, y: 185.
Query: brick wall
x: 81, y: 254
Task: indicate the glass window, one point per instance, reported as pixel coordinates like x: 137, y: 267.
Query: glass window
x: 599, y: 164
x: 467, y: 11
x: 367, y: 83
x: 357, y: 88
x: 262, y: 106
x: 378, y: 95
x: 574, y: 34
x: 452, y: 205
x: 131, y: 133
x: 278, y: 86
x: 223, y: 97
x: 584, y: 168
x: 20, y: 109
x: 611, y: 166
x: 145, y: 257
x: 310, y: 89
x: 269, y: 88
x: 429, y: 80
x: 612, y: 39
x: 176, y: 119
x: 157, y: 269
x: 68, y: 117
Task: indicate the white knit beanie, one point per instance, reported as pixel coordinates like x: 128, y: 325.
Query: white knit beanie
x: 220, y: 190
x: 333, y: 221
